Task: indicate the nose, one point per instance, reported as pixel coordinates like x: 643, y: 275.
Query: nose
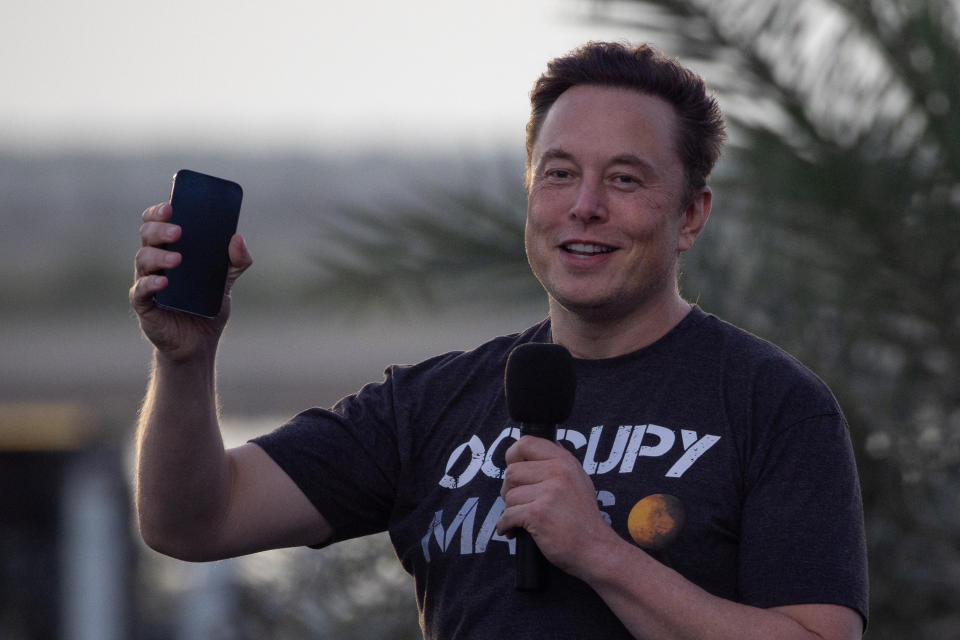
x: 589, y: 205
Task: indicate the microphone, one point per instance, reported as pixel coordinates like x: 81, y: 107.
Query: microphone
x: 539, y: 381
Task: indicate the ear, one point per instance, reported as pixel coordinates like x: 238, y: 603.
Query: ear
x: 694, y: 218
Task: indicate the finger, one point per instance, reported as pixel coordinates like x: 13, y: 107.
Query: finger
x: 240, y: 260
x: 517, y: 474
x: 514, y: 453
x: 536, y: 474
x: 143, y: 290
x: 507, y: 522
x: 240, y: 257
x: 157, y: 213
x: 513, y: 518
x: 151, y: 260
x: 532, y: 448
x: 157, y: 233
x: 519, y: 494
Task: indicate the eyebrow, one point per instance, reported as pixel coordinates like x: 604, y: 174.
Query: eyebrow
x: 629, y: 159
x: 633, y: 160
x: 555, y: 153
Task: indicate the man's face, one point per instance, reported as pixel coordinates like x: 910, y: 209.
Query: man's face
x: 605, y: 216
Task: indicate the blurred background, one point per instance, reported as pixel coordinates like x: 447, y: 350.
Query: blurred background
x: 380, y: 146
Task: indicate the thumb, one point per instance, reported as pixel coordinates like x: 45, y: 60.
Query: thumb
x: 240, y: 259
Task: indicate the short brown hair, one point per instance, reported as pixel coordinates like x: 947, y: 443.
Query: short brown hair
x: 647, y: 70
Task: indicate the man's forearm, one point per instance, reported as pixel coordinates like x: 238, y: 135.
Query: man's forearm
x: 654, y: 601
x: 182, y: 471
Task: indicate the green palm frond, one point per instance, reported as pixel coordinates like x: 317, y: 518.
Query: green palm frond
x: 836, y: 233
x: 451, y: 247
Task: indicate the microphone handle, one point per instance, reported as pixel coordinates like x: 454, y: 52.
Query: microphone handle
x: 531, y: 565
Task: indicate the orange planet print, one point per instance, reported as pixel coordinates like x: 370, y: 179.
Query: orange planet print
x: 655, y: 521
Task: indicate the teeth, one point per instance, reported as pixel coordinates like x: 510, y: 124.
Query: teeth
x: 588, y: 249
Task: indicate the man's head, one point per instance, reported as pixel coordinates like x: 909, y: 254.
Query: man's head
x: 700, y: 130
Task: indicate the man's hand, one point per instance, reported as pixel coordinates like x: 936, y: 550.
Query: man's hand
x: 175, y: 334
x: 548, y: 493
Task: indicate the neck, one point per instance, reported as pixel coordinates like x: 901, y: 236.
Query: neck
x: 595, y: 336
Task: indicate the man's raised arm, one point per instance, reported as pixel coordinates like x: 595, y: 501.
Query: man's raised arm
x: 196, y: 500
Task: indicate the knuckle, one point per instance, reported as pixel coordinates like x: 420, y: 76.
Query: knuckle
x: 154, y: 212
x: 147, y: 232
x: 157, y: 233
x: 137, y: 294
x: 536, y: 511
x: 142, y: 258
x: 551, y: 489
x: 138, y: 262
x: 147, y: 228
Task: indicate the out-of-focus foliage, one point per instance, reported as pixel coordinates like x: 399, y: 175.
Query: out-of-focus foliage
x: 449, y: 246
x: 353, y: 591
x: 836, y: 233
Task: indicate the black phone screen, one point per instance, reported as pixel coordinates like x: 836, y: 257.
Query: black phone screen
x: 207, y: 210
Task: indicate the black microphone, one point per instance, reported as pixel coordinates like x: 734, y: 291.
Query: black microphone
x: 540, y: 381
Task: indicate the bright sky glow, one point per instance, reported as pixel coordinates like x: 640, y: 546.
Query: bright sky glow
x: 122, y: 74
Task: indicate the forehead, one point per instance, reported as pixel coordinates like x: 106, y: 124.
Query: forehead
x: 601, y: 121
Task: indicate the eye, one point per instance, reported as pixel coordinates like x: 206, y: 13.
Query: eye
x: 558, y: 174
x: 626, y: 180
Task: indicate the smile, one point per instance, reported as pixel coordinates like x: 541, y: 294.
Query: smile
x: 584, y: 249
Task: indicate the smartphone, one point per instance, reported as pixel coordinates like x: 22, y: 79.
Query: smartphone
x: 207, y: 210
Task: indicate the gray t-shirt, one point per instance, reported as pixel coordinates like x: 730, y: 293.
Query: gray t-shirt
x: 718, y: 453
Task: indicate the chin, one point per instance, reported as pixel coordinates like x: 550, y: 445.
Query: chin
x: 591, y: 309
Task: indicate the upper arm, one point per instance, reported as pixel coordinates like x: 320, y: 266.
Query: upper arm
x: 829, y: 621
x: 265, y: 509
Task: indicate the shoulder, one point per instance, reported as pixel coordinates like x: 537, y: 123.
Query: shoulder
x: 735, y: 342
x: 763, y: 371
x: 744, y: 351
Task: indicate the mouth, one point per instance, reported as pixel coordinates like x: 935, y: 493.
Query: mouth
x: 586, y: 249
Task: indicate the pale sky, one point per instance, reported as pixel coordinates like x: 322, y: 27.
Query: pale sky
x: 124, y: 74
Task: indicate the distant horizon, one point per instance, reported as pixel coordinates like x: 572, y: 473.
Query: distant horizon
x: 487, y: 140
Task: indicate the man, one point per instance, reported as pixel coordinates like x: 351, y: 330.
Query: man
x: 703, y: 487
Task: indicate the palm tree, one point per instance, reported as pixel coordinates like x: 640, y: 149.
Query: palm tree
x: 843, y: 188
x: 449, y: 246
x: 835, y: 234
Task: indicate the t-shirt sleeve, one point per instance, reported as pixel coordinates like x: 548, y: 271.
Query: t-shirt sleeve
x: 803, y: 536
x: 345, y: 459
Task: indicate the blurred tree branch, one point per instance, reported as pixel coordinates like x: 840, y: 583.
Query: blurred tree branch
x: 841, y: 192
x: 450, y: 247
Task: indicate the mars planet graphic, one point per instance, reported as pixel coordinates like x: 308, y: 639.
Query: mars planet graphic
x: 655, y: 521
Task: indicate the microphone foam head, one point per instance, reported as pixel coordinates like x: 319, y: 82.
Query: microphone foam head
x: 540, y: 381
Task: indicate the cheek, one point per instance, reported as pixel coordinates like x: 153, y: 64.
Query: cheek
x: 538, y: 220
x: 547, y: 201
x: 651, y: 202
x: 647, y: 205
x: 536, y: 246
x: 652, y: 220
x: 532, y: 238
